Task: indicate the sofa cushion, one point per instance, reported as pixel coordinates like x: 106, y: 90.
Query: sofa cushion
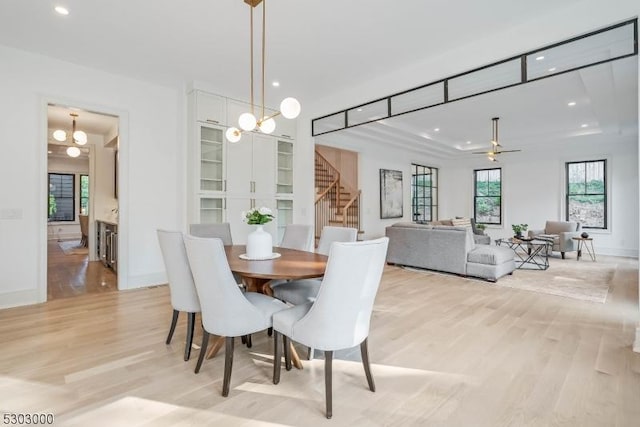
x: 412, y: 225
x: 491, y: 255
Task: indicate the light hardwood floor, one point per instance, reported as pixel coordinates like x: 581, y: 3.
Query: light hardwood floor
x: 73, y: 275
x: 445, y: 352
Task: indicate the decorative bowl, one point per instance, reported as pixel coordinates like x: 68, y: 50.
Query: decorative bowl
x: 584, y: 235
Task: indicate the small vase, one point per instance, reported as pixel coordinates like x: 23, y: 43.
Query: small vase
x: 259, y: 244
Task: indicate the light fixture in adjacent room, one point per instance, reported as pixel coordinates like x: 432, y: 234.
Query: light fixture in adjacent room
x: 62, y: 10
x: 496, y: 148
x: 73, y: 151
x: 79, y: 137
x: 249, y: 121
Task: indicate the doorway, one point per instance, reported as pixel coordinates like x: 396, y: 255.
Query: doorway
x: 82, y: 206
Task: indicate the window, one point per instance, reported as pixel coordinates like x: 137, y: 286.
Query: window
x: 586, y: 200
x: 84, y: 194
x: 487, y: 196
x: 61, y: 197
x: 424, y: 193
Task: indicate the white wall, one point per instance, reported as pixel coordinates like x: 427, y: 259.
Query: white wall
x: 534, y: 184
x: 151, y: 155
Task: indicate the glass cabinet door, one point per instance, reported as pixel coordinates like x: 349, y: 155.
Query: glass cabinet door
x: 285, y: 168
x: 211, y: 210
x: 211, y: 159
x: 284, y: 216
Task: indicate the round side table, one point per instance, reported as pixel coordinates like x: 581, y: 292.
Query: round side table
x: 585, y: 243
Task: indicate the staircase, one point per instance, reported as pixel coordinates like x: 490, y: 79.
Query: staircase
x: 336, y: 204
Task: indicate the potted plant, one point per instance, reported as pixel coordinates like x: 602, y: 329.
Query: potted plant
x: 518, y: 229
x: 481, y: 228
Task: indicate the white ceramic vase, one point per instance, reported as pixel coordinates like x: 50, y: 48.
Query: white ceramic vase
x: 259, y: 244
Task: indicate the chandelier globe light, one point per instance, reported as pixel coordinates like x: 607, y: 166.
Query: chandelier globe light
x: 79, y: 137
x: 73, y: 151
x: 289, y: 107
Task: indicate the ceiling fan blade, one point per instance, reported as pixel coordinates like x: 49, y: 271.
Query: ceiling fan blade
x: 484, y: 152
x: 506, y: 151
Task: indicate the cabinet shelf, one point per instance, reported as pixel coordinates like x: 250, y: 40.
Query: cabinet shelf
x: 210, y: 179
x: 211, y: 161
x: 210, y: 141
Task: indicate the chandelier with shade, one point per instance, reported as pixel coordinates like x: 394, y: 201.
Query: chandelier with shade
x: 258, y: 120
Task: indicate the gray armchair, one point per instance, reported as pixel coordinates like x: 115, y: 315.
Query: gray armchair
x: 561, y: 233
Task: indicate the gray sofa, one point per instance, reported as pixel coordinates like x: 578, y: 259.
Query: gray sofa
x: 447, y: 248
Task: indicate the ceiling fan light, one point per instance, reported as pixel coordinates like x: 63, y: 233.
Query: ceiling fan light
x: 60, y: 135
x: 267, y: 126
x: 290, y: 108
x: 233, y: 134
x: 79, y: 137
x: 73, y: 151
x: 494, y: 142
x: 247, y: 121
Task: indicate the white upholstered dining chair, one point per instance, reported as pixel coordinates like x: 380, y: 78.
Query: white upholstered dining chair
x: 221, y: 231
x: 226, y: 310
x: 302, y: 291
x: 298, y: 236
x: 181, y: 286
x: 340, y: 316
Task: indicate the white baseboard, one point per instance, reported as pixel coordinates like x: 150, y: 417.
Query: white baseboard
x: 19, y: 298
x: 146, y: 280
x: 628, y: 253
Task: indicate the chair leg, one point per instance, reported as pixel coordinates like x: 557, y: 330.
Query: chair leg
x: 190, y: 324
x: 228, y: 365
x: 270, y: 331
x: 286, y: 343
x: 203, y: 350
x: 562, y: 253
x: 310, y: 352
x: 249, y: 343
x: 174, y: 321
x: 276, y: 358
x: 328, y: 358
x: 364, y: 351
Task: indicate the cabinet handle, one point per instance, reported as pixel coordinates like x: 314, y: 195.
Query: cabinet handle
x: 212, y: 121
x: 224, y: 185
x: 286, y: 136
x: 224, y: 203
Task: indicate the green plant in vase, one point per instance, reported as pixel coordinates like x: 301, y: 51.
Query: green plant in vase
x: 518, y: 229
x: 481, y: 228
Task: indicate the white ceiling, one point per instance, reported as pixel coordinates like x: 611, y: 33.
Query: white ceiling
x: 313, y: 47
x: 317, y: 47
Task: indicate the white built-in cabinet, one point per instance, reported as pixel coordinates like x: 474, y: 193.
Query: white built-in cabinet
x: 227, y: 178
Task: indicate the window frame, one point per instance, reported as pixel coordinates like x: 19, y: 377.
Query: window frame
x: 73, y: 198
x: 80, y: 198
x: 604, y: 194
x: 433, y: 206
x: 475, y: 196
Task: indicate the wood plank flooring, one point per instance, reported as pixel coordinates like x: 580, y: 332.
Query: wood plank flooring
x: 445, y: 352
x: 73, y: 275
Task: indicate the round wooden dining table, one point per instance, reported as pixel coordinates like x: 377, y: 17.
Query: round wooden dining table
x: 291, y: 264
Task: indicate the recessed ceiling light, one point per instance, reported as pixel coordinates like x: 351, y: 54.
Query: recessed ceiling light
x: 275, y: 84
x: 572, y: 103
x: 468, y: 142
x: 437, y: 129
x: 359, y: 109
x: 584, y: 125
x: 552, y: 69
x: 62, y: 10
x: 49, y: 152
x: 540, y: 58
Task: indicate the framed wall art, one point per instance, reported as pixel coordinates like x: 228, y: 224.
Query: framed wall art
x: 390, y: 194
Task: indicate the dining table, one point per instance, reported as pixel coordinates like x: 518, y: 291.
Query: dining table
x: 286, y: 264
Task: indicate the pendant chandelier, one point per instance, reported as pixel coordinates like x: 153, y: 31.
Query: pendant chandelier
x: 79, y: 137
x: 249, y: 121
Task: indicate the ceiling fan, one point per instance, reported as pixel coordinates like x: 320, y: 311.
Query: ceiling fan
x: 496, y: 148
